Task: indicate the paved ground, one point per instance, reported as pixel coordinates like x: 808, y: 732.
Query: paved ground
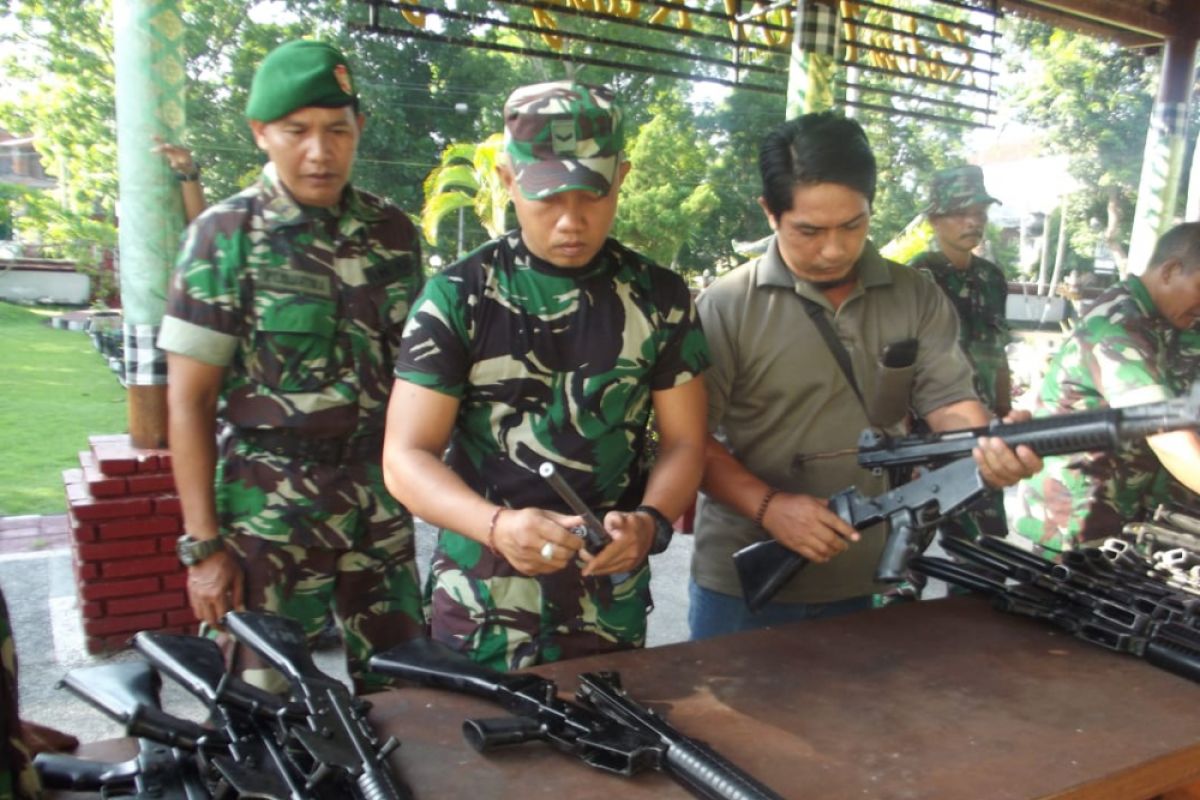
x: 35, y: 574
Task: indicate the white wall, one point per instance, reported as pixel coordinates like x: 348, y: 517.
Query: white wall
x: 38, y: 285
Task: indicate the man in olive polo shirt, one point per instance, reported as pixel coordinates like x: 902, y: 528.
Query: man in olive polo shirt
x: 285, y: 315
x: 784, y: 416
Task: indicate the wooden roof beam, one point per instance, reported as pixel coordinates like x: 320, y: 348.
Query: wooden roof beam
x: 1128, y: 22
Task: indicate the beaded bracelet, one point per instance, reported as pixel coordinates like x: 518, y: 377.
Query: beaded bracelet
x: 491, y: 537
x: 762, y: 507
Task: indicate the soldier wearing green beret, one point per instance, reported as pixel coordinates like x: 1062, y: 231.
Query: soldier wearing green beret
x: 284, y: 318
x: 549, y: 344
x: 958, y: 213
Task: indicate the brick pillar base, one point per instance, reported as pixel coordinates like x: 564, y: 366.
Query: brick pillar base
x: 124, y: 516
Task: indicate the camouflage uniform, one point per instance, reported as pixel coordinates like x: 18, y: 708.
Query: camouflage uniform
x: 549, y: 364
x: 18, y: 780
x: 979, y: 294
x: 1183, y: 366
x: 1116, y: 356
x: 305, y: 308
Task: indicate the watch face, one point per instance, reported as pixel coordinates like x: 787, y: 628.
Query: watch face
x: 183, y: 547
x: 192, y: 552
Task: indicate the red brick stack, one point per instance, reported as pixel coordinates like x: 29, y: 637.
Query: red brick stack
x: 124, y: 516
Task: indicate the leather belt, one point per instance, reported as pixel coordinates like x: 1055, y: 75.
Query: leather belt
x: 293, y: 444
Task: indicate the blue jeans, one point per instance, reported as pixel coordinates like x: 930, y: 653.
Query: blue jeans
x: 715, y: 614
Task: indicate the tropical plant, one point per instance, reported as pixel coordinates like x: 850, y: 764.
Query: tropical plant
x: 466, y: 178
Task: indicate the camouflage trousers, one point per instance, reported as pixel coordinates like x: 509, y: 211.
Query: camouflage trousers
x: 18, y: 780
x: 483, y: 608
x: 372, y: 591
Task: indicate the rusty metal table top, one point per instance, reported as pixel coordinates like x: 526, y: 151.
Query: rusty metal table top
x: 944, y: 699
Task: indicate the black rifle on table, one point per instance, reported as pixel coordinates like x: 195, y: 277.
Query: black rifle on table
x: 166, y: 766
x: 604, y: 726
x: 912, y: 509
x: 336, y: 736
x: 256, y: 723
x: 1104, y: 595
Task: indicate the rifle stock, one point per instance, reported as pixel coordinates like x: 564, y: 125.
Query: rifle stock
x: 337, y: 735
x: 256, y: 765
x: 953, y: 482
x: 166, y: 766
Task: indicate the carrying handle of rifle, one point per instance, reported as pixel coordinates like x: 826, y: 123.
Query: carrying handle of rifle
x: 485, y: 734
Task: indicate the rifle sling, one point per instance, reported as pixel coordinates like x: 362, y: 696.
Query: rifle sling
x: 836, y: 348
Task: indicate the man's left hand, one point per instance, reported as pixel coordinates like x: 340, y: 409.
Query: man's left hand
x: 1001, y: 465
x: 632, y: 536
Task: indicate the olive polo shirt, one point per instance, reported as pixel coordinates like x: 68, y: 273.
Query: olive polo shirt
x: 776, y: 392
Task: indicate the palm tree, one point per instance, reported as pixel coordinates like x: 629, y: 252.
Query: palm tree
x: 466, y: 177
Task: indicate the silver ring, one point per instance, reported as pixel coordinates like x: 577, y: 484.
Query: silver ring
x: 548, y: 551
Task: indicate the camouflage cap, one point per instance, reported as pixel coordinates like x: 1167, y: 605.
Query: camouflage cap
x: 561, y: 136
x: 956, y: 188
x: 300, y: 74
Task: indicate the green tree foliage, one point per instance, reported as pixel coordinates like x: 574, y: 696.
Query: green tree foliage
x: 1092, y: 100
x: 58, y: 59
x: 466, y: 178
x: 666, y: 199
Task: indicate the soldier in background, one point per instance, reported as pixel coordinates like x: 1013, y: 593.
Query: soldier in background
x: 1122, y: 352
x: 551, y: 343
x: 286, y: 312
x: 958, y: 213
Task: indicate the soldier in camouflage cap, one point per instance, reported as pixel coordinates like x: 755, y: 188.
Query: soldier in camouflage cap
x: 958, y: 211
x: 1119, y: 354
x: 550, y: 344
x: 284, y: 318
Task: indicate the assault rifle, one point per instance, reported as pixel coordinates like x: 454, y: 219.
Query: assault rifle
x: 336, y: 735
x: 166, y: 766
x: 948, y: 480
x: 257, y: 762
x: 604, y: 727
x: 1104, y: 595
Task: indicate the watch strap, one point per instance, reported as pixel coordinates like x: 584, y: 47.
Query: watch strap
x: 663, y: 529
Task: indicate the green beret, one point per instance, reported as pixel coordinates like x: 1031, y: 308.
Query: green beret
x: 297, y: 75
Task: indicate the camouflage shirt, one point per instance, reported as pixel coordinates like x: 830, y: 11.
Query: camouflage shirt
x: 1183, y: 360
x: 555, y: 365
x: 18, y: 780
x: 1115, y: 357
x: 979, y: 294
x: 304, y: 307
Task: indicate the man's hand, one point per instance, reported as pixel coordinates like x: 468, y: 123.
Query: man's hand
x: 806, y: 525
x: 632, y: 536
x: 215, y: 587
x: 999, y: 464
x: 537, y: 542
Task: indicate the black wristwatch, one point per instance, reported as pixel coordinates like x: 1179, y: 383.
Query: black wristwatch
x: 192, y: 551
x: 663, y: 529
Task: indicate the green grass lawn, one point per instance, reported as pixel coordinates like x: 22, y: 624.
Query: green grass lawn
x: 55, y: 391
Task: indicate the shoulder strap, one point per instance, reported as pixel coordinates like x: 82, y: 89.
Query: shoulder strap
x: 817, y: 315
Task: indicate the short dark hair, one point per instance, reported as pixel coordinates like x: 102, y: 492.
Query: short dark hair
x: 1181, y: 242
x: 824, y: 147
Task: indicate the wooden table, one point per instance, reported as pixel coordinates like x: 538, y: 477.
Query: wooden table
x: 945, y: 699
